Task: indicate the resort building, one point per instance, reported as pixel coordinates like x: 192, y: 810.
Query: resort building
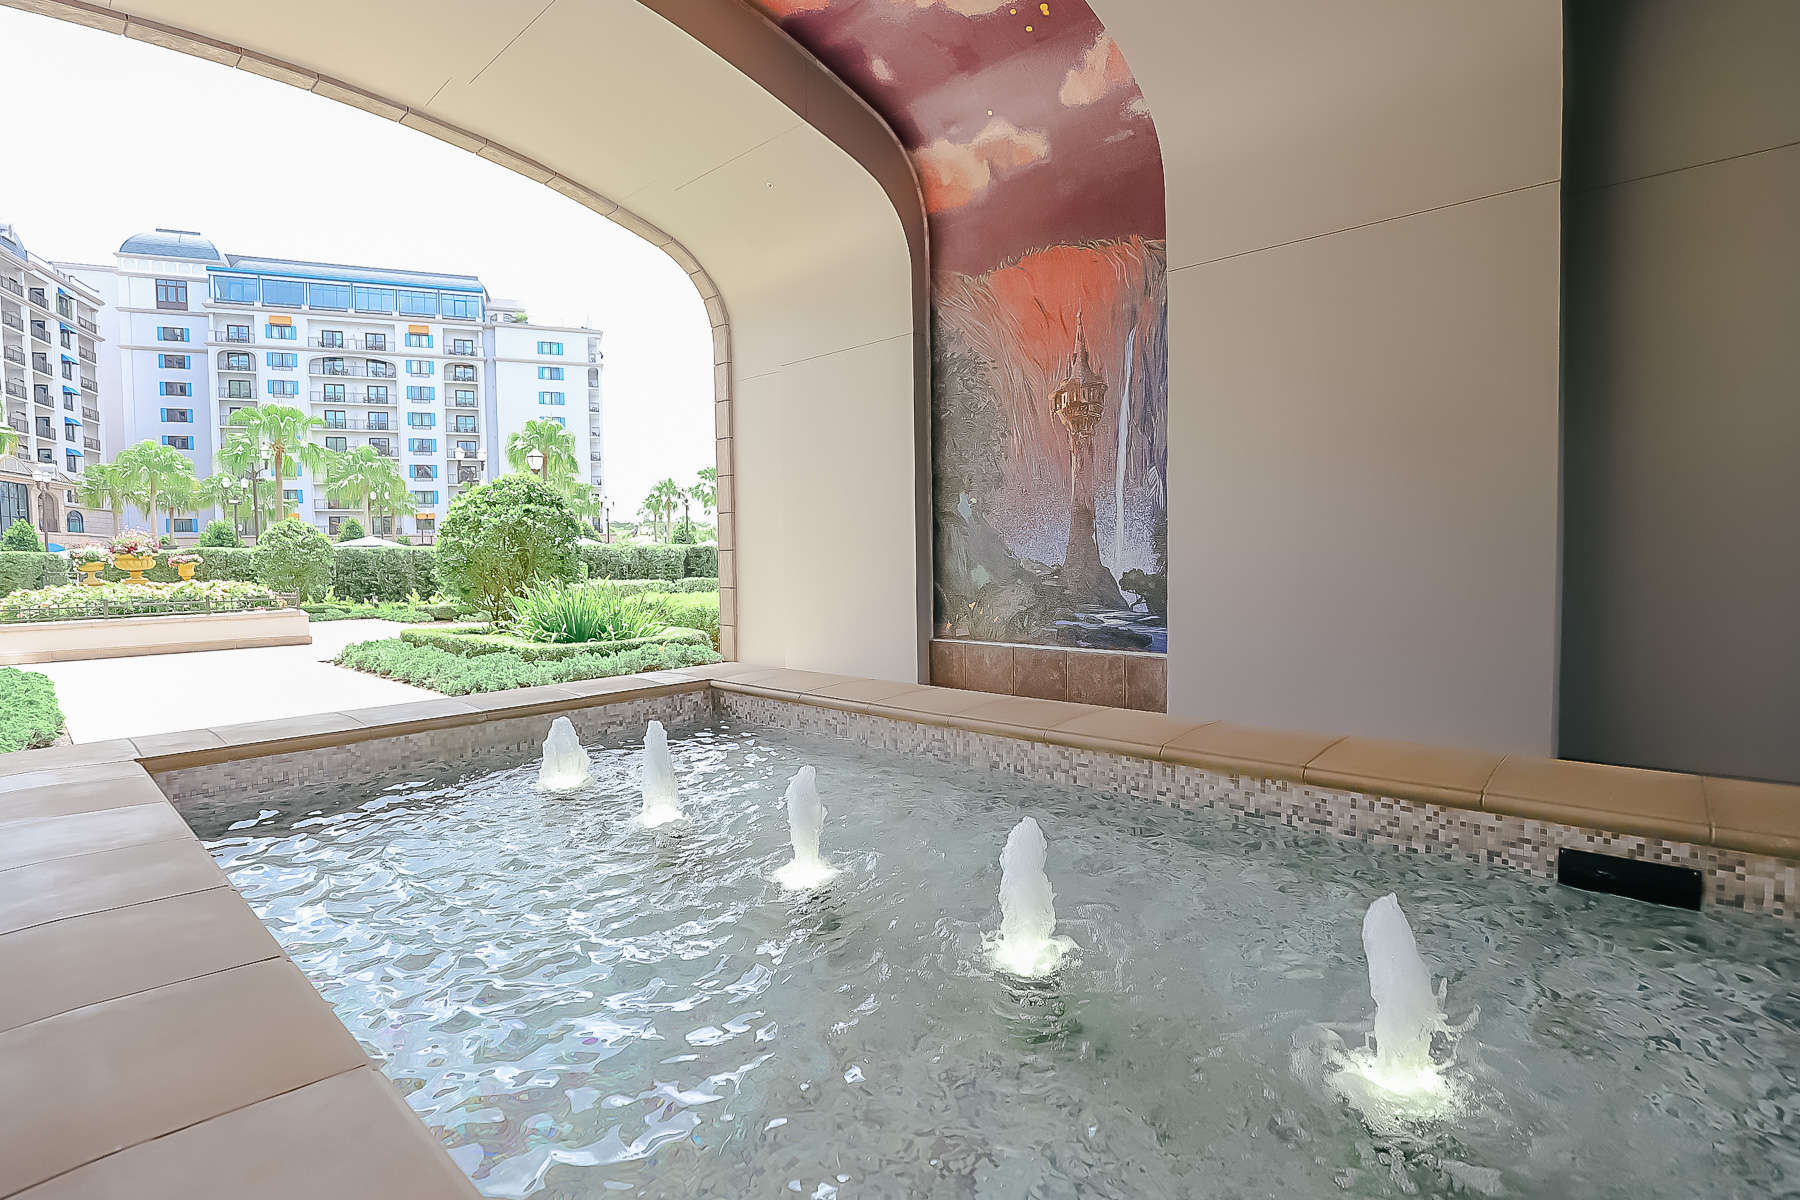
x: 49, y: 354
x: 423, y: 367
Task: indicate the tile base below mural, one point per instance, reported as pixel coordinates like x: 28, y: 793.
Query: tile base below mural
x: 1117, y: 679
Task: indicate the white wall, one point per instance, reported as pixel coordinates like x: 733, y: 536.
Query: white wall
x: 1364, y: 267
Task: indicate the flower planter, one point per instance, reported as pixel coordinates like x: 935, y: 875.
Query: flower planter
x: 185, y: 570
x: 92, y: 571
x: 136, y: 565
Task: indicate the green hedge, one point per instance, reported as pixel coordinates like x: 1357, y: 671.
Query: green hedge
x: 372, y: 574
x: 617, y: 560
x: 456, y: 675
x: 216, y: 562
x: 29, y: 716
x: 330, y: 610
x: 474, y: 643
x: 32, y: 569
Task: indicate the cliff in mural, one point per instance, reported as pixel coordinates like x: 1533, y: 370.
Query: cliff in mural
x: 1043, y: 188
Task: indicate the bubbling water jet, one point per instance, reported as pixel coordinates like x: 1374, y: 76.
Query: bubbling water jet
x: 1027, y: 944
x: 662, y: 800
x: 1407, y: 1011
x: 565, y: 763
x: 806, y: 821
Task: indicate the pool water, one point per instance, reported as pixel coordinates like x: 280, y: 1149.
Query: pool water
x: 581, y: 1007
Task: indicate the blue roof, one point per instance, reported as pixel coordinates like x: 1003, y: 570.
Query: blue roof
x: 170, y: 243
x: 294, y: 268
x: 9, y: 237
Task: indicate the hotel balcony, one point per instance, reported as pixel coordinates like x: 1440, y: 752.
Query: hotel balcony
x: 13, y: 286
x: 226, y: 335
x: 89, y: 384
x: 15, y: 355
x: 13, y: 321
x: 90, y: 414
x: 88, y: 325
x: 319, y: 396
x: 16, y: 390
x: 86, y: 355
x: 469, y: 455
x: 359, y: 424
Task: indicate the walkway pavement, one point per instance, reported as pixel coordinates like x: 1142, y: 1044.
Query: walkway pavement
x: 162, y: 693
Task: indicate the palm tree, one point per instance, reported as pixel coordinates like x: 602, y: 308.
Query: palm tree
x: 226, y: 491
x: 148, y: 468
x: 286, y: 432
x: 9, y: 440
x: 555, y: 443
x: 390, y: 495
x: 103, y: 485
x: 180, y: 492
x: 360, y: 475
x: 663, y: 498
x: 243, y: 454
x: 707, y: 490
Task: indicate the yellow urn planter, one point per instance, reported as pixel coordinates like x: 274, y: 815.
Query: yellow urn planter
x: 92, y: 571
x: 185, y: 570
x: 135, y: 565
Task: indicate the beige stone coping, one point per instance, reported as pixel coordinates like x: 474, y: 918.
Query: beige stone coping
x: 1733, y: 814
x: 162, y: 1035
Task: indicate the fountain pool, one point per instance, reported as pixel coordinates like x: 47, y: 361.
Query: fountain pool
x: 581, y: 1006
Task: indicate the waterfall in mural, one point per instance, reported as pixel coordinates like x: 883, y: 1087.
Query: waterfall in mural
x: 1043, y: 186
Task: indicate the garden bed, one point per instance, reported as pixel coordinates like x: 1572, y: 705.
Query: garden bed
x: 479, y: 640
x: 427, y: 666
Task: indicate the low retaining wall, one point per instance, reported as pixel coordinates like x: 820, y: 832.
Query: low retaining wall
x: 119, y: 637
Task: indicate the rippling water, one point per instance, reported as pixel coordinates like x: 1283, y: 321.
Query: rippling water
x: 583, y: 1008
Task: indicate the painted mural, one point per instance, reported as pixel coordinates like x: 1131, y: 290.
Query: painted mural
x: 1044, y: 193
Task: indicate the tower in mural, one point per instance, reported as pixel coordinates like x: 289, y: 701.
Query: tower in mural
x: 1078, y: 402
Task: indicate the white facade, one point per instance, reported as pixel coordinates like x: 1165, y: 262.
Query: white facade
x: 50, y: 351
x: 421, y: 366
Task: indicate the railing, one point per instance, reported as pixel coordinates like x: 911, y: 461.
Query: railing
x: 43, y: 398
x: 87, y: 325
x: 86, y: 355
x: 40, y: 364
x: 596, y: 456
x: 40, y: 335
x: 225, y: 393
x: 351, y: 341
x: 15, y: 356
x: 461, y: 375
x: 100, y: 607
x: 13, y: 286
x: 462, y: 350
x: 91, y: 443
x: 226, y: 335
x: 89, y: 384
x: 16, y: 390
x: 357, y: 423
x: 464, y: 429
x: 20, y: 424
x: 468, y: 454
x: 461, y: 403
x: 249, y: 367
x: 471, y: 477
x: 89, y: 414
x: 319, y: 397
x: 13, y: 321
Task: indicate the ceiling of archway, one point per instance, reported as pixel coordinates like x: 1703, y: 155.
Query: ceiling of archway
x: 1043, y: 188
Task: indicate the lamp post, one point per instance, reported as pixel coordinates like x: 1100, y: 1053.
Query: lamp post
x: 45, y: 480
x: 535, y: 460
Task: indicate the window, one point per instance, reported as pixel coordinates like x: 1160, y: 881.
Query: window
x: 334, y: 393
x: 328, y: 295
x: 372, y: 299
x: 378, y: 393
x: 284, y: 387
x: 240, y: 389
x: 235, y: 289
x: 285, y: 360
x: 549, y: 347
x: 280, y: 333
x: 171, y: 388
x: 178, y: 416
x: 171, y: 333
x: 330, y: 366
x: 77, y: 522
x: 463, y: 397
x: 378, y: 421
x: 550, y: 372
x: 334, y: 419
x: 235, y: 360
x: 560, y: 423
x: 237, y: 333
x: 183, y: 525
x: 381, y: 370
x: 462, y: 346
x: 331, y: 338
x: 375, y: 341
x: 284, y: 292
x: 422, y: 445
x: 333, y: 524
x: 462, y: 305
x: 180, y: 441
x: 465, y: 424
x: 419, y: 366
x: 337, y: 443
x: 551, y: 398
x: 171, y: 293
x: 291, y: 495
x: 425, y: 497
x: 419, y: 341
x: 381, y: 526
x: 416, y: 304
x: 178, y: 362
x: 460, y: 371
x: 421, y: 392
x: 423, y: 420
x: 381, y: 445
x: 71, y: 462
x: 424, y: 471
x: 466, y: 449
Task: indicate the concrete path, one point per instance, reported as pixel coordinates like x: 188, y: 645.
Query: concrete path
x: 162, y: 693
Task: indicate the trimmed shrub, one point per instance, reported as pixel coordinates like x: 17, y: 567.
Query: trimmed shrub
x: 29, y: 716
x: 473, y: 643
x: 455, y: 675
x: 349, y: 529
x: 701, y: 560
x: 616, y: 560
x: 379, y: 575
x: 697, y: 583
x: 502, y: 536
x: 293, y: 556
x: 691, y: 610
x: 219, y: 533
x: 20, y: 536
x: 31, y: 569
x: 332, y: 610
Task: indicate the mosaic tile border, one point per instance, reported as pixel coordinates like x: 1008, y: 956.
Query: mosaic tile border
x: 358, y: 766
x: 1750, y: 882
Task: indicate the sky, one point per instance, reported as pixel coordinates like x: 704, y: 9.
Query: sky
x: 262, y: 168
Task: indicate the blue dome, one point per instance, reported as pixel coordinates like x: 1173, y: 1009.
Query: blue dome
x: 170, y: 243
